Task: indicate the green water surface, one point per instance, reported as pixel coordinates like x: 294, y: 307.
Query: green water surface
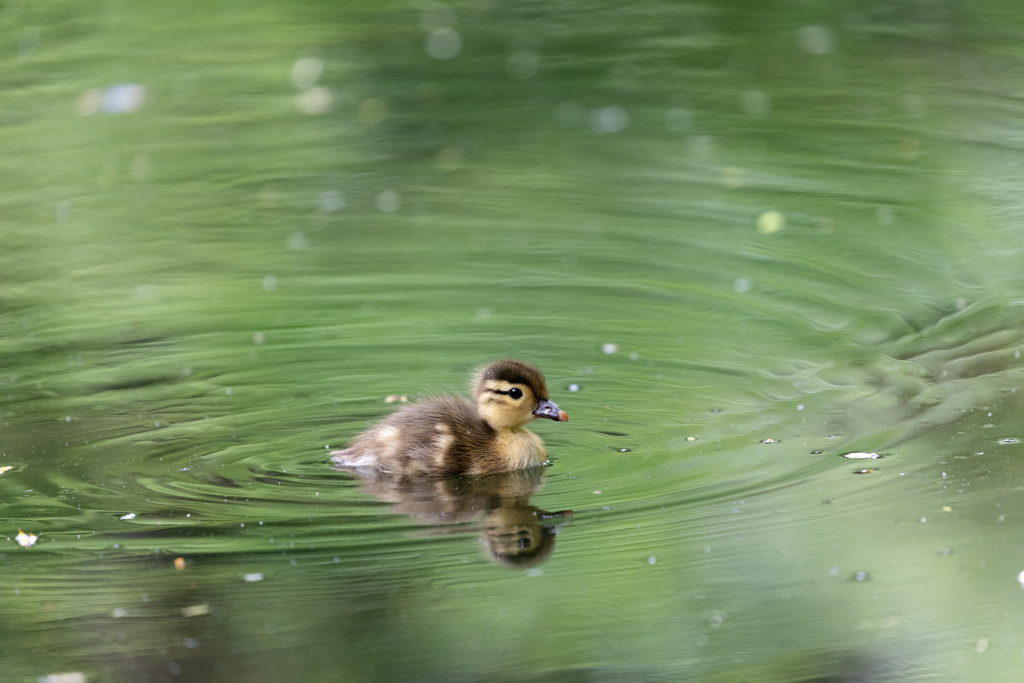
x: 741, y: 239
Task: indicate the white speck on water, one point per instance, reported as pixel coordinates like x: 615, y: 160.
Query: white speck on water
x: 314, y: 101
x: 923, y: 520
x: 123, y: 99
x: 388, y: 201
x: 63, y: 211
x: 229, y: 391
x: 67, y: 419
x: 652, y: 559
x: 597, y: 493
x: 574, y: 387
x: 612, y: 119
x: 443, y: 43
x: 255, y: 576
x: 861, y: 456
x: 306, y: 72
x: 800, y: 407
x: 609, y: 348
x: 742, y: 285
x: 860, y: 576
x: 1009, y: 441
x: 330, y: 201
x: 981, y: 645
x: 130, y: 515
x: 534, y: 572
x: 269, y: 283
x: 770, y: 222
x: 815, y: 40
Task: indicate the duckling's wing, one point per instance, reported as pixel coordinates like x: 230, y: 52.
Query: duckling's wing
x: 443, y: 435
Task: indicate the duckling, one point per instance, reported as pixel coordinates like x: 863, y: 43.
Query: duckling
x: 450, y: 435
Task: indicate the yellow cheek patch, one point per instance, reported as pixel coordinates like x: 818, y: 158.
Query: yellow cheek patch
x: 503, y: 386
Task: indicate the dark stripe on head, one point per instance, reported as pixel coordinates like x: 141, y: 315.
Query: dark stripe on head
x: 514, y: 372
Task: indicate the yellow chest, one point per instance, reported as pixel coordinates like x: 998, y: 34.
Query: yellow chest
x: 520, y: 448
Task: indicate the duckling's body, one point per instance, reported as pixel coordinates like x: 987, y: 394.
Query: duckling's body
x: 450, y: 435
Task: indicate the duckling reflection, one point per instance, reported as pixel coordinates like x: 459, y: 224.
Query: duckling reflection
x: 516, y: 534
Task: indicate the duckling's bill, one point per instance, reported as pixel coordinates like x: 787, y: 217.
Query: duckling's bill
x: 550, y: 411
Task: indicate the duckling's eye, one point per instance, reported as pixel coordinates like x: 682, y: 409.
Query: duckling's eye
x: 515, y: 393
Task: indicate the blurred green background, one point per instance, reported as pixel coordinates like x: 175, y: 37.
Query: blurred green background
x: 741, y: 239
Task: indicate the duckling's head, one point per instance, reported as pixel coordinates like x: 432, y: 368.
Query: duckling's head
x: 509, y: 393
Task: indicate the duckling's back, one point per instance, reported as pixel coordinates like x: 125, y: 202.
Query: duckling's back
x: 438, y: 436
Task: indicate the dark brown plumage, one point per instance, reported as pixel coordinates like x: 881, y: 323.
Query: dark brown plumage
x: 450, y: 435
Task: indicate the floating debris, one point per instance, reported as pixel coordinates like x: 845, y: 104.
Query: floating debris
x: 623, y: 450
x: 1009, y: 440
x: 769, y: 441
x: 574, y: 387
x: 652, y: 559
x: 862, y: 456
x: 255, y: 576
x: 860, y: 576
x: 70, y: 677
x: 691, y: 438
x: 817, y: 452
x: 123, y: 98
x: 1020, y: 579
x: 394, y: 398
x: 946, y: 508
x: 130, y: 515
x: 864, y: 471
x: 597, y: 493
x: 770, y: 222
x: 6, y: 468
x: 195, y: 610
x: 26, y: 540
x: 179, y: 563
